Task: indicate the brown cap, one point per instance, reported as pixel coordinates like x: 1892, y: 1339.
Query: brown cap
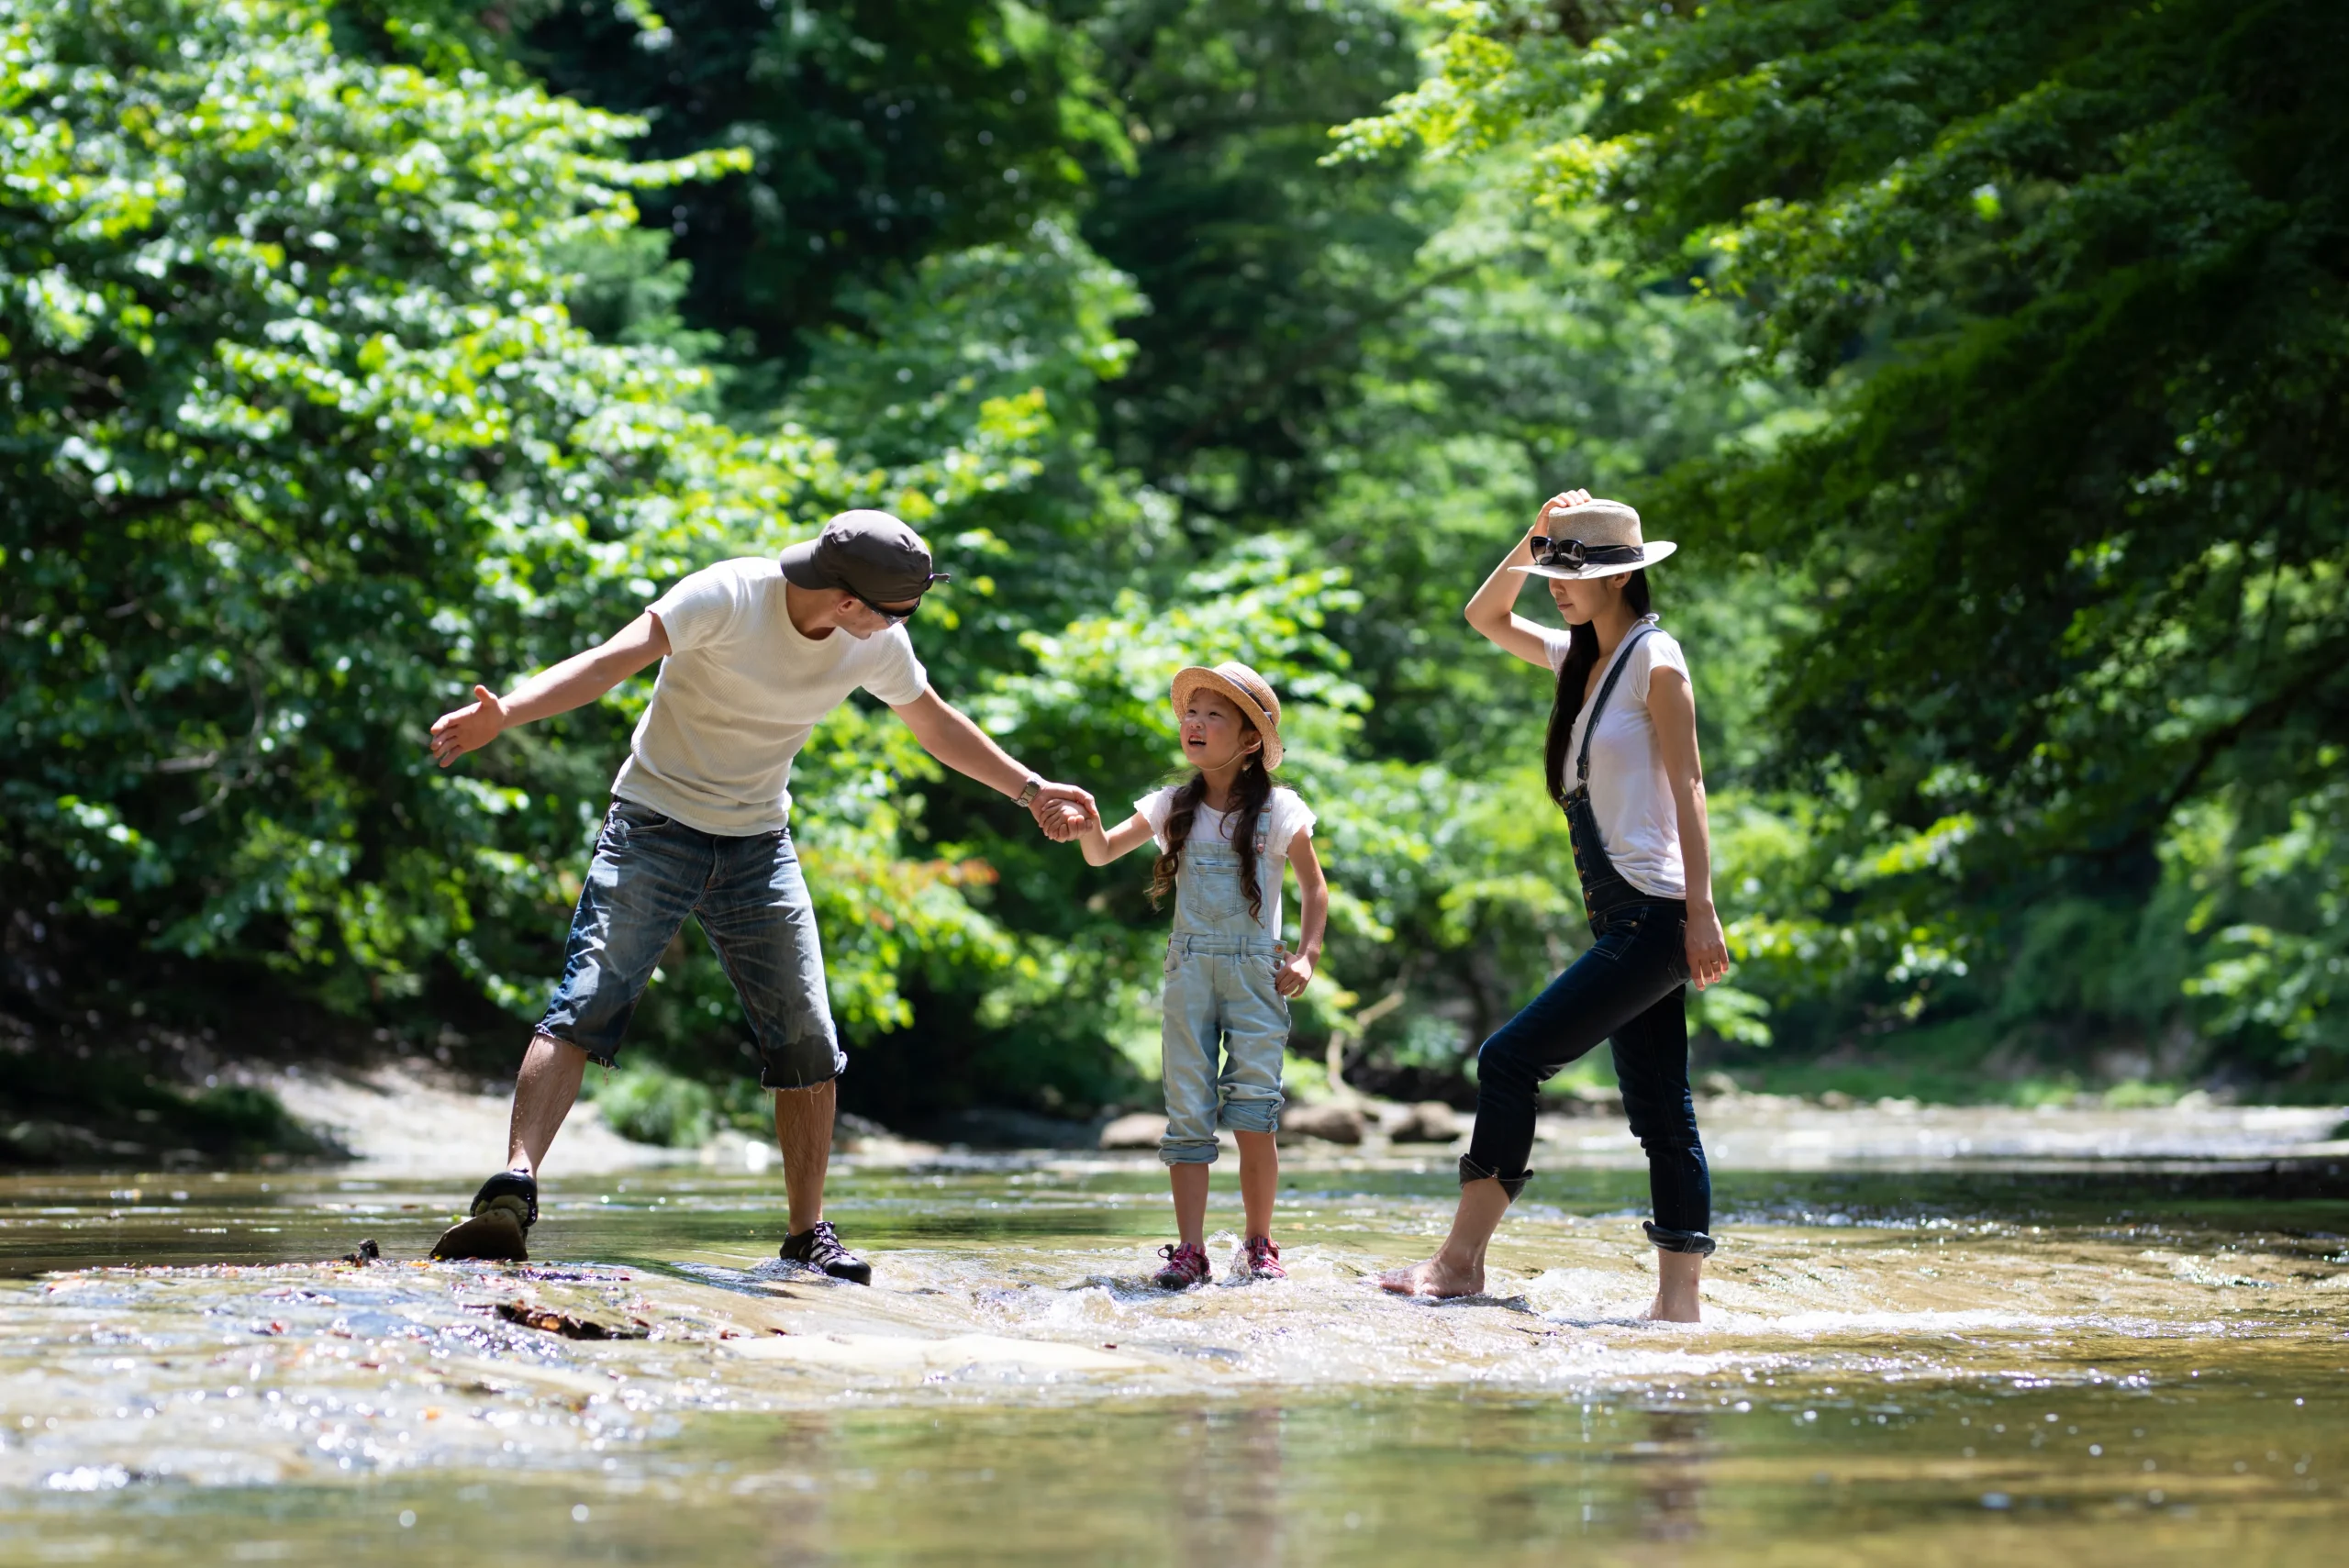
x: 868, y: 553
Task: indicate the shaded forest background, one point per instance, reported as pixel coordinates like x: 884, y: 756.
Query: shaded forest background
x: 1986, y: 359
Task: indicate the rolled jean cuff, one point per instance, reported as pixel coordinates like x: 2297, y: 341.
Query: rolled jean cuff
x: 808, y: 1063
x: 1667, y: 1240
x: 1250, y: 1116
x: 1186, y: 1151
x: 1472, y: 1171
x: 602, y: 1056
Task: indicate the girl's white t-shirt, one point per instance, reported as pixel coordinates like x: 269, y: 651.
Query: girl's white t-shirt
x: 1286, y: 816
x: 1631, y: 795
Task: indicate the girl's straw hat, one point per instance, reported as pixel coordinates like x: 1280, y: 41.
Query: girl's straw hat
x: 1248, y: 690
x: 1597, y: 539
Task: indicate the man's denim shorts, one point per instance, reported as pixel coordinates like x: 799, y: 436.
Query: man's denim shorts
x: 648, y: 873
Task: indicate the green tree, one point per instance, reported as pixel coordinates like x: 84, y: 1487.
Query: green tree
x: 299, y: 442
x: 2069, y: 276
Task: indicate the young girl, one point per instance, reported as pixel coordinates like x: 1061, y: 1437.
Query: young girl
x: 1623, y: 764
x: 1221, y: 838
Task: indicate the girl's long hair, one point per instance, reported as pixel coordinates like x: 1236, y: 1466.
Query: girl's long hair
x: 1250, y: 791
x: 1574, y: 675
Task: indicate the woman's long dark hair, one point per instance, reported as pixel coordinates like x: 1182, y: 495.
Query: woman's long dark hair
x: 1250, y: 791
x: 1574, y: 675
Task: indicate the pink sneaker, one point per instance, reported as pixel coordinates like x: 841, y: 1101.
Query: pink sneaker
x: 1260, y: 1259
x: 1186, y: 1265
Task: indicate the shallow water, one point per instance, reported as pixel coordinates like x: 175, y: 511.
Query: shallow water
x: 2081, y: 1366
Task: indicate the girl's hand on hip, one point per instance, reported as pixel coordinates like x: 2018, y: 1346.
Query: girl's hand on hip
x: 1294, y: 975
x: 1708, y: 948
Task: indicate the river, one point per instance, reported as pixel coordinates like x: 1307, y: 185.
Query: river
x: 2073, y: 1361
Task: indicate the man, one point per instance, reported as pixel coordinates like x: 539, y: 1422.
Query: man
x: 754, y: 652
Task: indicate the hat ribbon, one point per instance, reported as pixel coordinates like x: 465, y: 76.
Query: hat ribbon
x: 1573, y: 552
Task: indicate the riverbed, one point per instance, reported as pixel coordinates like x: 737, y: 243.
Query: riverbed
x: 2068, y: 1358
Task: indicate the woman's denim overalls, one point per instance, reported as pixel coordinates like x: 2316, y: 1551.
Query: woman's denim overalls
x: 1219, y: 971
x: 1628, y: 989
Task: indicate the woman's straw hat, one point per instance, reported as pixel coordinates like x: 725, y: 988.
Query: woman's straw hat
x: 1597, y: 539
x: 1248, y: 690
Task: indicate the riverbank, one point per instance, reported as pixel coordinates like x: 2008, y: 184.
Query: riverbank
x: 397, y: 1121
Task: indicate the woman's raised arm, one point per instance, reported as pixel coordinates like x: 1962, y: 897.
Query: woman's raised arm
x: 1492, y: 608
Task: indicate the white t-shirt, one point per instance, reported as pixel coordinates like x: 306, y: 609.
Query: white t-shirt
x: 738, y: 695
x: 1286, y: 816
x: 1631, y: 795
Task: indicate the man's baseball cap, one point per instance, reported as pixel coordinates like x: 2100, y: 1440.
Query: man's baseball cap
x: 868, y: 553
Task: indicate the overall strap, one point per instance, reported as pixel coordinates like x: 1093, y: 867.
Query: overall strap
x: 1598, y: 704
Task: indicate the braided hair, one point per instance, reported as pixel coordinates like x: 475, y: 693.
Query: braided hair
x: 1250, y: 794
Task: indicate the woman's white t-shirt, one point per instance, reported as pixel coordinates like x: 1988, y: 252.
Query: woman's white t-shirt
x: 1286, y: 816
x: 1631, y: 795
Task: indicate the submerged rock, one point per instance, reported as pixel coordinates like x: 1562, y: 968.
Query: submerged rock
x: 1141, y: 1130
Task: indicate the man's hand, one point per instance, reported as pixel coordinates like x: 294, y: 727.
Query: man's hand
x: 1294, y: 975
x: 1063, y: 811
x: 468, y: 729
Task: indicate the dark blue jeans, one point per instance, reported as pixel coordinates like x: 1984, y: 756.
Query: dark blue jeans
x: 1630, y: 989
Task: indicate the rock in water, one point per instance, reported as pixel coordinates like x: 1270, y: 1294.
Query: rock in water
x: 1430, y: 1121
x: 1332, y: 1120
x: 1141, y: 1130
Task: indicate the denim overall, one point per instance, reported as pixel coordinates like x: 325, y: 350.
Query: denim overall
x: 1220, y: 968
x: 1630, y: 989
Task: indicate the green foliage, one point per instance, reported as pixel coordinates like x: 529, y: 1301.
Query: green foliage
x: 652, y: 1106
x: 2072, y: 533
x: 1984, y: 359
x: 300, y: 444
x: 878, y: 134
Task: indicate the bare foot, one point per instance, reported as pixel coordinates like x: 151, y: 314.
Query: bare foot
x: 1677, y: 1276
x: 1435, y: 1277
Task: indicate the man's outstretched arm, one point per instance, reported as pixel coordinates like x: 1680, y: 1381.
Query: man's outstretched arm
x: 948, y: 734
x: 577, y: 681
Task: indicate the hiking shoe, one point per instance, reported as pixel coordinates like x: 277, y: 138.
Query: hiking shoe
x: 1186, y: 1265
x: 819, y: 1248
x: 499, y: 1229
x: 1260, y: 1259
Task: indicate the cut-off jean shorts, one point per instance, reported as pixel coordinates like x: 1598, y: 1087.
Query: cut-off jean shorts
x: 648, y: 873
x: 1220, y: 991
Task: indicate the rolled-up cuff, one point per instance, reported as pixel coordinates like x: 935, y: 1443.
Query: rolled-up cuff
x: 1472, y: 1171
x: 1667, y: 1240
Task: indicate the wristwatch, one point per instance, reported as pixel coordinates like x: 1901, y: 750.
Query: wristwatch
x: 1028, y: 795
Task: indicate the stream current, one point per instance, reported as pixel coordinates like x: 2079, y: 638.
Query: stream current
x: 2074, y: 1365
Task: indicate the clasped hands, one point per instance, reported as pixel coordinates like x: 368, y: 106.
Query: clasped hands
x: 1063, y: 811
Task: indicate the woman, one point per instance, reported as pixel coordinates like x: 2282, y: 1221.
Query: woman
x: 1622, y: 760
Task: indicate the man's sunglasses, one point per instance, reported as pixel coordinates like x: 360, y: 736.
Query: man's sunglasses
x: 895, y: 617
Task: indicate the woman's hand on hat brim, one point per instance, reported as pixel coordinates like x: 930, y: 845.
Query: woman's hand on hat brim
x: 1555, y: 503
